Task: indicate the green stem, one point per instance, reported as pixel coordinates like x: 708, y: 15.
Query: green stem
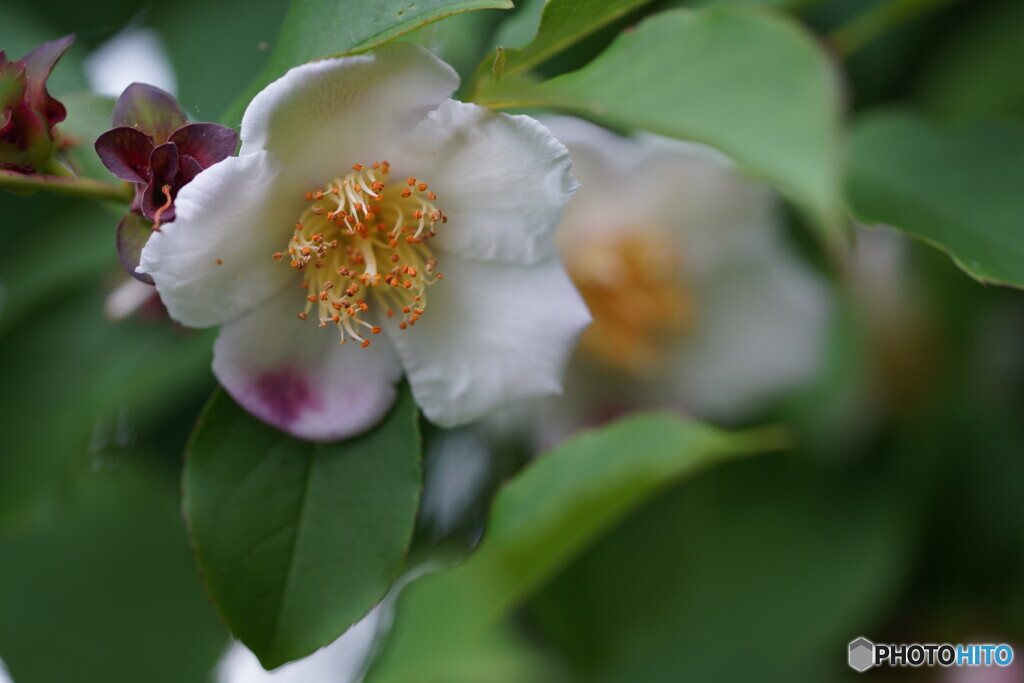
x: 865, y: 28
x: 75, y: 187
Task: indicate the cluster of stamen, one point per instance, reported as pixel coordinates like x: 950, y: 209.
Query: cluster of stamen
x: 361, y: 233
x: 633, y: 284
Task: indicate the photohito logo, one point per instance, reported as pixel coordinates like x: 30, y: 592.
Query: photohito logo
x: 863, y: 654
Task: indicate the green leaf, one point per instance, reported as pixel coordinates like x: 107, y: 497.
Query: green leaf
x: 106, y: 591
x: 957, y: 188
x: 750, y: 83
x: 539, y: 522
x: 786, y: 557
x: 298, y: 540
x: 563, y: 23
x: 318, y: 28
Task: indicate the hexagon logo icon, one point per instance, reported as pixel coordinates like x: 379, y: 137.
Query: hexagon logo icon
x: 862, y: 654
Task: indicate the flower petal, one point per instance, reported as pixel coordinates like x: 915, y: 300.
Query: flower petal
x: 294, y: 375
x: 492, y: 333
x: 322, y: 117
x: 214, y: 263
x: 38, y: 65
x: 652, y: 183
x: 761, y: 331
x: 125, y: 152
x: 132, y: 234
x: 501, y: 180
x: 207, y: 143
x: 149, y: 109
x: 164, y: 163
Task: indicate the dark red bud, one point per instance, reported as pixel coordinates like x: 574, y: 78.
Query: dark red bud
x: 28, y: 114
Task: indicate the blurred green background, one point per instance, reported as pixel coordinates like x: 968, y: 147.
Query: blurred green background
x: 898, y: 516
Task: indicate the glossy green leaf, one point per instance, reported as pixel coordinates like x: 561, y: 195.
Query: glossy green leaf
x: 297, y: 540
x: 318, y: 28
x: 750, y: 83
x: 106, y: 591
x: 957, y: 188
x: 539, y: 522
x: 562, y: 24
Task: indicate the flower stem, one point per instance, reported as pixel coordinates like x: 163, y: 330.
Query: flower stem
x: 878, y: 20
x: 68, y: 185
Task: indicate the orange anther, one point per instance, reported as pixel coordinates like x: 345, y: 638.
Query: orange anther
x: 375, y: 330
x: 431, y: 196
x: 302, y: 316
x: 306, y: 251
x: 417, y: 214
x: 390, y: 313
x: 336, y: 318
x: 401, y: 325
x: 309, y: 196
x: 319, y: 194
x: 278, y: 256
x: 406, y: 193
x: 366, y: 342
x: 394, y: 258
x: 412, y: 181
x: 357, y: 167
x: 421, y: 187
x: 311, y: 298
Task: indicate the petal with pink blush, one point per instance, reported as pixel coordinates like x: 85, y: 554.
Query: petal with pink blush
x: 295, y: 375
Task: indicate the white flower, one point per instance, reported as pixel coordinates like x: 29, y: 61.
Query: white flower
x: 697, y: 300
x: 394, y: 209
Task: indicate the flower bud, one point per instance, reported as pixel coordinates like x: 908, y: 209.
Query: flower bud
x: 28, y: 114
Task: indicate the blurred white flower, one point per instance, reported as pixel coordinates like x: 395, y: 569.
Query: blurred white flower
x: 5, y: 677
x: 698, y: 301
x: 343, y: 661
x: 135, y: 55
x: 458, y: 464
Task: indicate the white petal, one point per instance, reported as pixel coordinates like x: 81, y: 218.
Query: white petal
x: 502, y: 181
x: 656, y: 184
x: 322, y: 117
x: 759, y: 330
x: 492, y: 333
x: 234, y: 212
x: 296, y: 376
